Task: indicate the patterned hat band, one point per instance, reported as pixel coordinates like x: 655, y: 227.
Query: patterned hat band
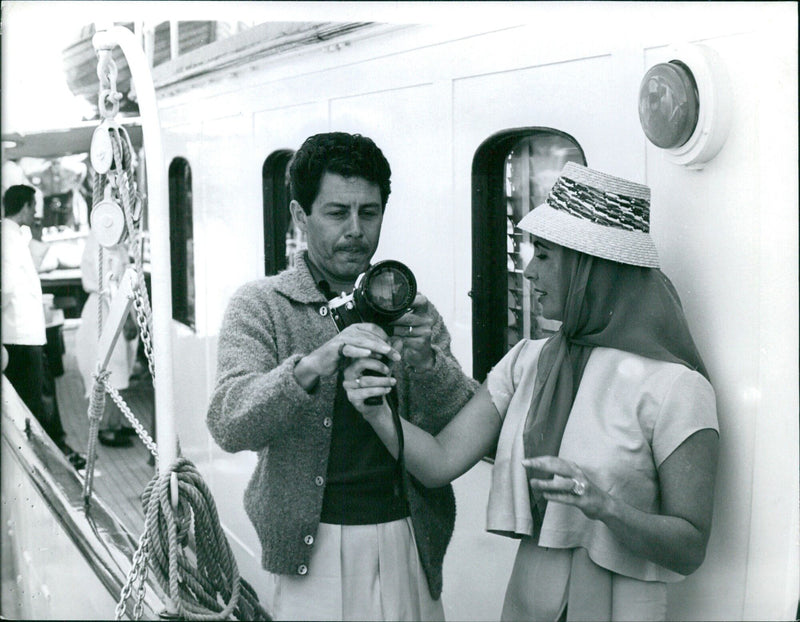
x: 598, y: 214
x: 605, y: 208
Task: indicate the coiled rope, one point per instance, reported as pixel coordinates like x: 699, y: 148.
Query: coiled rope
x: 213, y: 590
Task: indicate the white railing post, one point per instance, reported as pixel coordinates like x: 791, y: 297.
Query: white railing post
x: 160, y: 276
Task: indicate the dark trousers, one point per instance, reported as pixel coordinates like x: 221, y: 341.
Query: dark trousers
x: 29, y: 373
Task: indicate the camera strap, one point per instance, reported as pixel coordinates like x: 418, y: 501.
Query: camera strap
x: 391, y: 400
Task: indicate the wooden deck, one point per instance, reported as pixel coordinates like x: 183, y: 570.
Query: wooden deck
x: 121, y: 473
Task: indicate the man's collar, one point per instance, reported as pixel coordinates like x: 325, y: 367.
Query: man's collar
x: 15, y: 226
x: 322, y: 283
x: 298, y: 283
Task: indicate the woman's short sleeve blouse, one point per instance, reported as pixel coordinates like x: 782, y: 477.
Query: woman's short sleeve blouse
x: 629, y: 415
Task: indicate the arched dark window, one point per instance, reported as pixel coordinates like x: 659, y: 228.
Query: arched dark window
x: 512, y: 172
x: 281, y: 238
x: 181, y: 241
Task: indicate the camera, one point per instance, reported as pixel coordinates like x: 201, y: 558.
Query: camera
x: 382, y: 294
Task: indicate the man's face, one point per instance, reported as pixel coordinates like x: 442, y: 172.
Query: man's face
x: 28, y: 212
x: 344, y: 226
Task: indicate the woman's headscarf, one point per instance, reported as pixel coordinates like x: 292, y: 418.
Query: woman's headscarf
x: 608, y: 304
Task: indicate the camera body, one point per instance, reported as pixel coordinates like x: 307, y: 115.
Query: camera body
x: 343, y: 312
x: 382, y: 294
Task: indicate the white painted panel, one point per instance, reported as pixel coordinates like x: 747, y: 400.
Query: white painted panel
x: 230, y: 246
x: 286, y: 128
x: 46, y: 570
x: 191, y: 393
x: 409, y: 126
x: 725, y: 242
x: 774, y: 554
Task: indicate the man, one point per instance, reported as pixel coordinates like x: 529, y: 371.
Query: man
x: 23, y: 318
x: 326, y: 498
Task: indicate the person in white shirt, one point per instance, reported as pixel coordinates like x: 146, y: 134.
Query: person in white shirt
x: 23, y: 322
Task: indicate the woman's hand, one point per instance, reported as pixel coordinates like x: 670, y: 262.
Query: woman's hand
x: 411, y: 335
x: 676, y: 536
x: 570, y: 485
x: 360, y: 384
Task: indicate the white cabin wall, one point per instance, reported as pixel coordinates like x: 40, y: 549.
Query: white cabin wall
x: 429, y: 96
x: 709, y: 247
x: 775, y: 484
x: 731, y: 249
x: 181, y: 139
x: 410, y: 126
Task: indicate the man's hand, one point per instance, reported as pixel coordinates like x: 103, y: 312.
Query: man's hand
x: 355, y: 341
x: 412, y: 335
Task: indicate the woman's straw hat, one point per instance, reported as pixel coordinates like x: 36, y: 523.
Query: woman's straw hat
x: 597, y: 214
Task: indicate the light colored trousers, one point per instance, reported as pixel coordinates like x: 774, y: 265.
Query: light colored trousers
x: 359, y: 572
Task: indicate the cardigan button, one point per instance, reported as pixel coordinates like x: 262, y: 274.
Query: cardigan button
x: 319, y: 480
x: 323, y: 310
x: 309, y: 540
x: 302, y: 569
x: 327, y: 422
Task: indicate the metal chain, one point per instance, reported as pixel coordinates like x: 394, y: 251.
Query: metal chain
x: 143, y: 434
x: 138, y: 607
x: 100, y: 291
x: 141, y: 301
x: 108, y: 97
x: 137, y: 575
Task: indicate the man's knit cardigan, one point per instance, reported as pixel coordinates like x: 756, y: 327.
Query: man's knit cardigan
x: 257, y: 405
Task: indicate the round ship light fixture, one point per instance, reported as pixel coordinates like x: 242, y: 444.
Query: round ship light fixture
x: 685, y: 105
x: 668, y: 104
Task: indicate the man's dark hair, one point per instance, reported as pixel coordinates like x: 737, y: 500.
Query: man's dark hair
x: 17, y: 197
x: 348, y: 155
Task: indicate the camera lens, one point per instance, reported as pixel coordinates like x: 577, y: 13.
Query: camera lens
x: 387, y: 290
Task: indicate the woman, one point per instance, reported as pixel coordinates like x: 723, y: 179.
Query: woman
x: 606, y: 433
x: 115, y: 259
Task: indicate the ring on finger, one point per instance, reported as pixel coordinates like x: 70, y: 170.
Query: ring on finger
x: 578, y: 488
x: 358, y: 381
x: 341, y: 349
x: 410, y: 329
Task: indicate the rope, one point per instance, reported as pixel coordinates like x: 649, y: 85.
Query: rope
x: 213, y: 590
x: 97, y: 399
x: 97, y: 403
